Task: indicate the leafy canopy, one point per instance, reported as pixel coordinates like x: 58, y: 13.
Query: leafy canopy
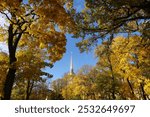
x: 44, y: 21
x: 101, y: 18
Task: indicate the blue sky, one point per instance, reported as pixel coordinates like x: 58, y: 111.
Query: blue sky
x: 79, y: 59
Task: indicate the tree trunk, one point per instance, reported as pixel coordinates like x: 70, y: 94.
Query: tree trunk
x: 111, y: 67
x: 29, y: 89
x: 14, y: 35
x: 10, y: 76
x: 12, y: 68
x: 130, y: 85
x: 9, y: 83
x: 142, y: 91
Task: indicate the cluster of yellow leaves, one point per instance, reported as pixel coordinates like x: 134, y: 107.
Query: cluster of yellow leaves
x: 2, y: 35
x: 45, y: 21
x: 3, y: 69
x: 29, y: 70
x: 53, y: 10
x: 79, y: 86
x: 29, y: 64
x: 76, y: 88
x: 8, y: 3
x: 131, y: 59
x: 126, y: 59
x: 44, y: 28
x: 131, y: 55
x: 147, y: 87
x: 13, y: 6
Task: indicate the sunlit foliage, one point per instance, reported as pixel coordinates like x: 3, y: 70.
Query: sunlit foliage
x: 45, y: 22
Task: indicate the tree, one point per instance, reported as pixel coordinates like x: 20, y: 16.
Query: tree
x: 40, y: 91
x: 107, y: 66
x: 80, y: 85
x: 122, y: 72
x: 133, y: 63
x: 56, y: 87
x: 35, y: 20
x: 101, y: 18
x: 105, y: 20
x: 127, y: 62
x: 30, y: 63
x: 109, y: 81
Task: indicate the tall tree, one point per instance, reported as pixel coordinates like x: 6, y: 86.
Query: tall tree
x: 133, y: 62
x: 101, y: 18
x: 106, y: 62
x: 34, y: 19
x: 30, y: 63
x: 37, y: 20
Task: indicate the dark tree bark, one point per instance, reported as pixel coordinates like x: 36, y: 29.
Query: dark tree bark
x: 9, y: 83
x: 12, y: 70
x: 12, y: 46
x: 130, y: 85
x: 142, y: 91
x: 29, y: 89
x: 111, y: 67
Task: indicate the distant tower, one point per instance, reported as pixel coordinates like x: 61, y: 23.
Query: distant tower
x: 71, y: 65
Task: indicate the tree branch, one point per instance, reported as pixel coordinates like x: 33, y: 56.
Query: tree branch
x: 129, y: 15
x: 7, y: 17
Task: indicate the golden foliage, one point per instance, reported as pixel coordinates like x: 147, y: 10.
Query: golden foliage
x: 3, y: 70
x: 45, y: 21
